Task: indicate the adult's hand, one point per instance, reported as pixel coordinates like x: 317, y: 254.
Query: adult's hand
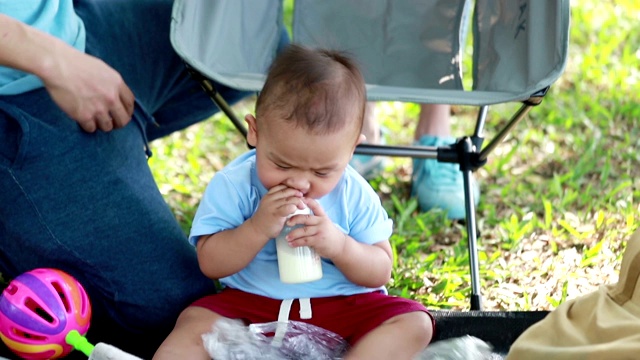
x: 84, y: 87
x: 88, y: 90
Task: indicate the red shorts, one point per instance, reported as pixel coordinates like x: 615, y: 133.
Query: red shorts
x: 348, y: 316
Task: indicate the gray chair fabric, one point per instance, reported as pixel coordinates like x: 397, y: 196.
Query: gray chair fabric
x: 409, y: 50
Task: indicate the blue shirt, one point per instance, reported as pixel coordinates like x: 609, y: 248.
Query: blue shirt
x: 233, y: 196
x: 55, y: 17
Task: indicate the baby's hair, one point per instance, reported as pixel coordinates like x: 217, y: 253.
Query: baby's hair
x: 316, y: 89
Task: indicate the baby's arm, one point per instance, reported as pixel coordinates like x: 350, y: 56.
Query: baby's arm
x: 229, y: 251
x: 364, y: 264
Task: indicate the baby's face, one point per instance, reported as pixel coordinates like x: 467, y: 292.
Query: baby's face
x: 312, y: 164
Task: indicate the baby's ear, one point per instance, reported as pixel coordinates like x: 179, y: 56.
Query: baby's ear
x: 360, y: 140
x: 252, y: 131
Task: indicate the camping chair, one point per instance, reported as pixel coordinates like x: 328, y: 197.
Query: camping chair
x: 409, y: 51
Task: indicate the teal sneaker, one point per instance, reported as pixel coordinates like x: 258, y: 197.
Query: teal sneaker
x: 438, y: 184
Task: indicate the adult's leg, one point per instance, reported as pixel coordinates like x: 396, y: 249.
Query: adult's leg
x: 438, y: 185
x: 434, y: 120
x: 87, y: 203
x: 141, y: 51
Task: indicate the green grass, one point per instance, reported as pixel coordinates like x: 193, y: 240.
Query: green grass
x: 559, y: 197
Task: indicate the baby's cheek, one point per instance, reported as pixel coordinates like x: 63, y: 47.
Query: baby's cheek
x: 269, y: 178
x: 322, y: 188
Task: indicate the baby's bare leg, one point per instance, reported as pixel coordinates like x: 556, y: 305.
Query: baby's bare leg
x: 185, y: 341
x: 401, y: 337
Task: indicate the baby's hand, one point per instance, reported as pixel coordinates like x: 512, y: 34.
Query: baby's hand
x: 275, y: 206
x: 318, y: 232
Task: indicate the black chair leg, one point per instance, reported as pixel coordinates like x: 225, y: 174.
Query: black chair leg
x: 465, y: 150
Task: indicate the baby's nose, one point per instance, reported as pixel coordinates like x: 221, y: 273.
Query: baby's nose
x: 298, y: 183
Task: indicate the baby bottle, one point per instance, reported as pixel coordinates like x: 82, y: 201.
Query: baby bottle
x: 297, y: 264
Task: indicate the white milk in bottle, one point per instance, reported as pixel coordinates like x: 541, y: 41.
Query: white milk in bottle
x: 297, y: 264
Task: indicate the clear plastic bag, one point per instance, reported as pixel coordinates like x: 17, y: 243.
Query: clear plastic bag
x: 461, y: 348
x: 232, y: 340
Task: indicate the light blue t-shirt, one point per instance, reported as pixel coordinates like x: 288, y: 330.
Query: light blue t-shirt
x: 233, y: 196
x: 55, y: 17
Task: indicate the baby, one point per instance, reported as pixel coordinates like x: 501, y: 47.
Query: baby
x: 307, y: 123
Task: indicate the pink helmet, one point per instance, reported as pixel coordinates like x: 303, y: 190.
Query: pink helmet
x: 37, y: 311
